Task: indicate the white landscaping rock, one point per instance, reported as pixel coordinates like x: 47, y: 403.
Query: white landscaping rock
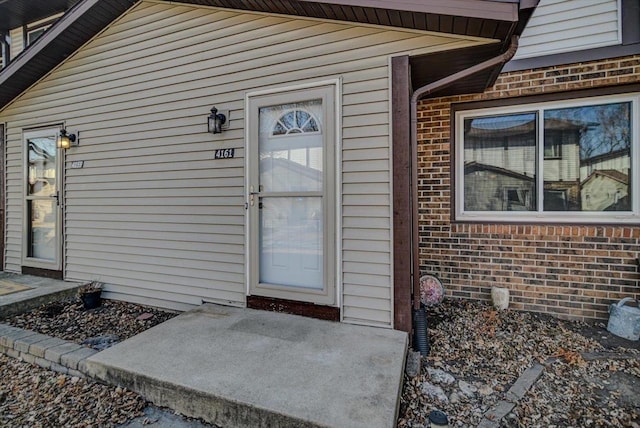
x: 440, y: 376
x: 467, y: 389
x: 485, y: 390
x: 500, y: 297
x: 434, y: 391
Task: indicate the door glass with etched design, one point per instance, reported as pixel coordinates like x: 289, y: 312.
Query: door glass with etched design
x: 291, y: 164
x: 291, y: 147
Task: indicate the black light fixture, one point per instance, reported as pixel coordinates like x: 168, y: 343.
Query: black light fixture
x: 67, y: 140
x: 215, y: 122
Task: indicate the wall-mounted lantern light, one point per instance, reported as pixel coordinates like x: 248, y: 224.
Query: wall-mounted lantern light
x: 215, y: 121
x: 67, y: 140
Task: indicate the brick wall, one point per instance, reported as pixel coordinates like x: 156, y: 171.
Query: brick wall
x: 570, y: 271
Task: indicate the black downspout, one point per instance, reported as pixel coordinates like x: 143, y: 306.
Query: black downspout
x: 420, y: 339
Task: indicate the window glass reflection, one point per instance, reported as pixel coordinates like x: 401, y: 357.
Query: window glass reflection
x: 500, y: 163
x: 588, y: 158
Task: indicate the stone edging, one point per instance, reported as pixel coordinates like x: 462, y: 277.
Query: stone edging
x: 526, y: 380
x: 47, y: 352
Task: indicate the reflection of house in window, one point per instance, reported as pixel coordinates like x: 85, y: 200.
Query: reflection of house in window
x: 507, y: 142
x: 606, y: 190
x: 517, y: 199
x: 489, y: 188
x: 556, y: 200
x: 562, y: 136
x: 561, y: 169
x: 617, y: 160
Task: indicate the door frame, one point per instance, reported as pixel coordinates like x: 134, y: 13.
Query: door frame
x: 336, y: 86
x: 3, y: 192
x: 32, y: 263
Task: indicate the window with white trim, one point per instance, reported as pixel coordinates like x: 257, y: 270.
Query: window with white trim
x: 563, y: 161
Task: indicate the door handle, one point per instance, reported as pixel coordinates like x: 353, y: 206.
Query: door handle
x: 252, y: 196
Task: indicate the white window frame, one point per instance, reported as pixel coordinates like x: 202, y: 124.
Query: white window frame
x: 605, y: 217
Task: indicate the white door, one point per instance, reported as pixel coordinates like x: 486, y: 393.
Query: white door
x: 42, y: 246
x: 291, y: 187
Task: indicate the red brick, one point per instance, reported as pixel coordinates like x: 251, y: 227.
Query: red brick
x: 549, y: 268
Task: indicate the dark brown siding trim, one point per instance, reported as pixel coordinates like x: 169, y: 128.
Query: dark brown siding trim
x: 328, y: 313
x: 630, y: 45
x: 540, y: 98
x: 402, y: 221
x: 630, y: 22
x: 572, y: 57
x: 505, y: 10
x: 46, y: 273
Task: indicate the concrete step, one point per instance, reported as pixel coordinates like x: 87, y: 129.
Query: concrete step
x: 239, y: 367
x: 41, y: 291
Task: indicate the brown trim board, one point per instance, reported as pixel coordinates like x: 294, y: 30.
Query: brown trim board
x: 540, y: 98
x: 402, y: 204
x: 572, y: 57
x: 630, y: 45
x: 46, y: 273
x: 328, y: 313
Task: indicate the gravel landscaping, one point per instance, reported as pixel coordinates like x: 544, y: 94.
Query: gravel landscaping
x: 35, y: 397
x: 477, y: 353
x: 31, y: 396
x: 111, y: 322
x: 590, y: 378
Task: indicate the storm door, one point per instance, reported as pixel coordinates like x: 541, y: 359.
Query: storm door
x: 42, y: 245
x: 290, y: 195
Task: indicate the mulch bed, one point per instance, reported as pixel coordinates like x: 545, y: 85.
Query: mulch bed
x: 35, y: 397
x: 477, y: 353
x: 70, y: 321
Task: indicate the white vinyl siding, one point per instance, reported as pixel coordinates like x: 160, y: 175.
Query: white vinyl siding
x: 559, y: 26
x: 151, y: 213
x: 17, y: 42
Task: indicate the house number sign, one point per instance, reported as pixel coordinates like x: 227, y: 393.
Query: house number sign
x: 225, y: 153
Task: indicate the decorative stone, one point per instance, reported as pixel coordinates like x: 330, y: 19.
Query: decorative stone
x: 500, y: 297
x: 434, y: 391
x: 467, y: 389
x: 101, y: 343
x: 485, y: 390
x: 414, y: 362
x: 145, y: 316
x: 440, y: 376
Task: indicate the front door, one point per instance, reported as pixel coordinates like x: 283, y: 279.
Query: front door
x: 42, y: 231
x: 290, y: 193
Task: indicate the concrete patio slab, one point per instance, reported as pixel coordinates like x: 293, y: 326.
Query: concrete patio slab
x: 239, y: 367
x: 40, y: 291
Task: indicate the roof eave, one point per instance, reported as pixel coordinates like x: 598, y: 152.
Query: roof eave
x: 71, y: 31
